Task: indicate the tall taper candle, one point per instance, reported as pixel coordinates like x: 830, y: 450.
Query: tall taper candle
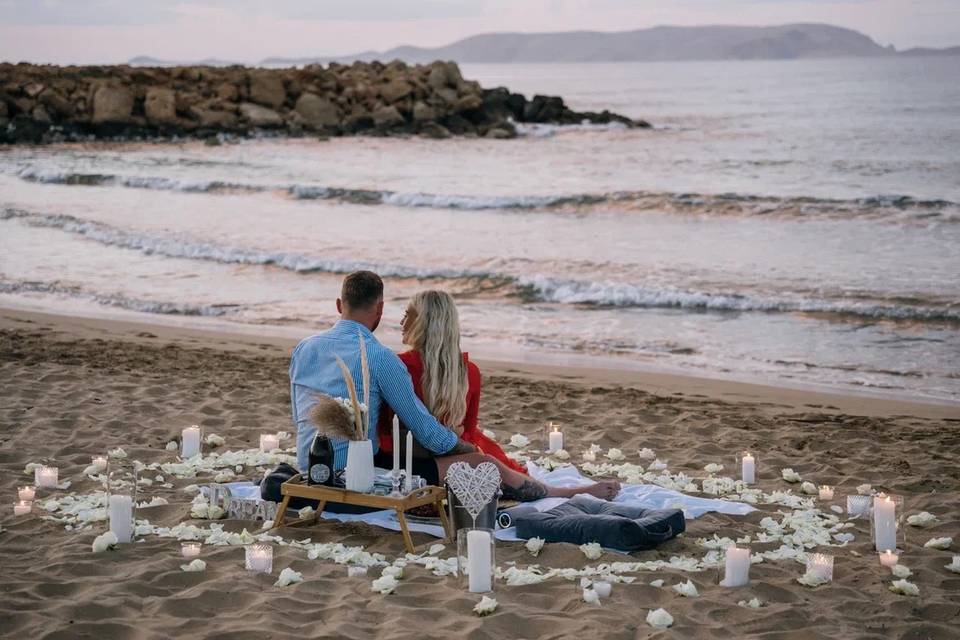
x: 396, y: 445
x: 407, y: 480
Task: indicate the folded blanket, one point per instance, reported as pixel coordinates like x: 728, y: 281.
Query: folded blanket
x: 585, y: 519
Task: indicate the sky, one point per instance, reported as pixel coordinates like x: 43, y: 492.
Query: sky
x: 113, y: 31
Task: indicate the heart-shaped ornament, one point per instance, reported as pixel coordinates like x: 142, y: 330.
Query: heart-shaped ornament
x: 473, y: 486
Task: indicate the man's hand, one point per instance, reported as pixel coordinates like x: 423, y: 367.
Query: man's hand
x: 461, y: 448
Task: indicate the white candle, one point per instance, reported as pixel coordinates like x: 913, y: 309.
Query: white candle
x: 737, y: 568
x: 260, y: 558
x: 820, y: 564
x: 478, y: 561
x: 955, y: 561
x: 190, y: 442
x: 407, y: 481
x: 884, y: 523
x: 556, y: 439
x: 748, y: 468
x: 888, y: 558
x: 269, y: 442
x: 826, y: 493
x: 603, y: 589
x: 46, y: 477
x: 396, y: 445
x: 26, y: 493
x: 190, y: 549
x: 22, y: 508
x: 121, y: 517
x: 100, y: 462
x: 359, y: 572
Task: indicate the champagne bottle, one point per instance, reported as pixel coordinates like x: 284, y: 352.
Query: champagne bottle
x: 320, y: 461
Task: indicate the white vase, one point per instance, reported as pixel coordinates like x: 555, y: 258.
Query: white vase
x: 360, y: 471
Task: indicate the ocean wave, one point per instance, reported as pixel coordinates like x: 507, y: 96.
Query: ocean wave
x: 542, y: 130
x: 892, y: 207
x: 115, y: 300
x: 619, y: 294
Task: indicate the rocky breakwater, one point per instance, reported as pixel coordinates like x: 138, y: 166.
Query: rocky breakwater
x: 51, y: 103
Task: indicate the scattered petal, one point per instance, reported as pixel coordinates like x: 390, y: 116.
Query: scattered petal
x: 215, y: 441
x: 713, y: 467
x: 753, y: 603
x: 490, y: 434
x: 396, y: 572
x: 865, y: 489
x: 195, y: 566
x: 172, y: 446
x: 646, y: 454
x: 384, y: 584
x: 288, y: 577
x: 615, y: 455
x: 938, y: 543
x: 534, y: 545
x: 591, y: 597
x: 923, y: 519
x: 686, y: 589
x: 790, y: 475
x: 435, y: 549
x: 809, y: 488
x: 486, y: 606
x: 659, y: 619
x: 519, y: 440
x: 117, y: 453
x: 656, y: 583
x: 901, y: 571
x: 592, y: 550
x: 106, y: 541
x: 813, y: 579
x: 905, y: 588
x: 306, y: 513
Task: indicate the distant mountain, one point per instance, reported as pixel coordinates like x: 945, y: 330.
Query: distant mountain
x: 147, y: 61
x: 926, y: 51
x: 656, y: 44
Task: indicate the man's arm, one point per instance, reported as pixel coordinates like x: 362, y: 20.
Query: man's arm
x: 397, y: 389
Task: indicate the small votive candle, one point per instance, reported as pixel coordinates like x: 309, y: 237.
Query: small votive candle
x: 748, y: 468
x: 736, y: 568
x: 26, y: 493
x: 22, y: 508
x: 889, y: 558
x: 603, y: 589
x: 190, y: 549
x: 190, y: 442
x: 820, y: 564
x: 269, y: 442
x: 260, y: 558
x: 46, y: 476
x: 100, y: 462
x: 356, y: 572
x: 555, y: 438
x: 826, y: 492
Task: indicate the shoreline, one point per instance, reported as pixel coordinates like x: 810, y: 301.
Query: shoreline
x: 572, y: 369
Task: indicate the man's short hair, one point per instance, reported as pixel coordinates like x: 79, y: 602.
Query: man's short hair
x: 361, y: 290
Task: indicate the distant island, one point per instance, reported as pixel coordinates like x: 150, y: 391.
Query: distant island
x: 785, y: 42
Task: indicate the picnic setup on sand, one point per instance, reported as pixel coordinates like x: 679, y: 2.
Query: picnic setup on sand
x: 368, y: 451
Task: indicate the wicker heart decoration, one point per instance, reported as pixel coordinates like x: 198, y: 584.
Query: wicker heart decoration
x: 473, y: 486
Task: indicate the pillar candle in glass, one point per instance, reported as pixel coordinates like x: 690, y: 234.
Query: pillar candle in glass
x: 46, y: 477
x: 821, y: 564
x: 555, y: 438
x: 826, y: 492
x: 259, y: 557
x: 100, y: 462
x: 190, y: 549
x: 121, y: 517
x: 475, y: 558
x: 884, y: 523
x: 22, y: 507
x: 889, y: 558
x: 190, y: 441
x: 736, y: 567
x: 26, y: 493
x: 748, y: 468
x: 269, y: 442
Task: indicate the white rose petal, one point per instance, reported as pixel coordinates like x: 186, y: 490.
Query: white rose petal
x: 195, y: 566
x: 659, y: 619
x: 103, y: 542
x: 865, y: 489
x: 486, y: 606
x: 657, y: 465
x: 656, y: 583
x: 534, y: 545
x: 900, y: 571
x: 954, y: 566
x: 172, y: 446
x: 905, y: 588
x: 592, y: 550
x: 117, y: 453
x: 31, y: 467
x: 591, y: 597
x: 713, y: 467
x: 938, y: 543
x: 686, y: 589
x: 305, y: 513
x: 615, y: 454
x: 519, y: 440
x: 288, y: 577
x: 753, y: 603
x: 813, y: 579
x: 646, y: 454
x: 215, y: 441
x: 561, y: 454
x: 790, y: 475
x: 435, y: 549
x: 490, y: 434
x: 384, y: 584
x: 396, y: 572
x: 923, y: 519
x: 809, y: 488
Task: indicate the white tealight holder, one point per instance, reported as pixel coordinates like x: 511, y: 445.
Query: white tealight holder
x: 889, y: 558
x: 269, y: 442
x: 356, y: 572
x: 22, y: 508
x: 26, y: 494
x: 190, y: 549
x: 46, y: 477
x: 821, y: 564
x: 826, y: 492
x: 100, y: 462
x: 259, y: 558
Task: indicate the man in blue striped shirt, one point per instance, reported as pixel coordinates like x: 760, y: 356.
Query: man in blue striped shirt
x: 313, y: 368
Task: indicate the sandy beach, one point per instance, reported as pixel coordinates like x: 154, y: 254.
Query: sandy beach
x: 75, y: 388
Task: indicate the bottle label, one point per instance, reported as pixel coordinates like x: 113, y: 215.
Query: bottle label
x: 319, y: 473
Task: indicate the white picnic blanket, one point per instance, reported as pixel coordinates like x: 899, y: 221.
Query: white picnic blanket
x: 648, y: 496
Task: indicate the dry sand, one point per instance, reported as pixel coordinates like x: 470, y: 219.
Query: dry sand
x: 71, y: 389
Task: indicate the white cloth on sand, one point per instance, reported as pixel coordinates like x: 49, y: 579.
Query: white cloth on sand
x: 648, y: 496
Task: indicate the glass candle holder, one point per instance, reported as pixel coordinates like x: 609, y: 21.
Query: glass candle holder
x: 825, y: 492
x: 736, y: 567
x: 889, y: 558
x: 746, y: 464
x: 190, y: 441
x: 27, y: 493
x: 886, y: 526
x: 356, y: 572
x: 190, y: 549
x: 100, y: 462
x: 858, y: 506
x: 821, y: 564
x: 22, y: 507
x: 269, y: 442
x: 259, y: 558
x: 46, y: 477
x: 476, y: 559
x: 122, y: 500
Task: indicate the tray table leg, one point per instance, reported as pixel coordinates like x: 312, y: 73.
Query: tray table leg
x: 281, y: 512
x: 445, y: 522
x: 406, y: 532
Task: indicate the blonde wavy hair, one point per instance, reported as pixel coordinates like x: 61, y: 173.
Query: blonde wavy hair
x: 435, y: 334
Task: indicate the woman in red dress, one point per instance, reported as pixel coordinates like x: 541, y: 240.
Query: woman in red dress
x: 449, y: 384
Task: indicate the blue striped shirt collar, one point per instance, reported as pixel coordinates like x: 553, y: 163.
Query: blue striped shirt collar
x: 350, y: 327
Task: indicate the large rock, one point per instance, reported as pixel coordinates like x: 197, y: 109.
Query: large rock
x: 387, y: 116
x: 394, y: 90
x: 213, y: 119
x: 468, y: 103
x: 56, y: 104
x: 228, y: 92
x: 423, y: 112
x: 112, y: 104
x: 444, y: 74
x: 260, y: 116
x: 160, y: 106
x: 317, y: 112
x: 266, y: 88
